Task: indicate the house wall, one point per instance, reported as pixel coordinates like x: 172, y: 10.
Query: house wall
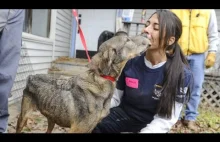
x: 63, y: 33
x: 215, y: 69
x: 137, y: 18
x: 217, y: 11
x: 37, y: 52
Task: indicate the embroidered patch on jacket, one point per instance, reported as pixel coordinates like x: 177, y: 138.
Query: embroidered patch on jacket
x: 131, y: 82
x: 157, y: 92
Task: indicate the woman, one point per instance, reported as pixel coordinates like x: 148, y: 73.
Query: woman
x: 152, y: 88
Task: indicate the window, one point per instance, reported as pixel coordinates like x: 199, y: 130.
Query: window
x: 37, y: 22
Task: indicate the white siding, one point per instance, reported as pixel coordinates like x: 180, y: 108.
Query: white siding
x: 36, y: 57
x: 217, y: 11
x: 63, y: 33
x: 37, y: 52
x: 216, y: 68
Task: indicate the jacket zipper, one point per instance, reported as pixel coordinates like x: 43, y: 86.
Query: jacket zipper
x: 189, y: 31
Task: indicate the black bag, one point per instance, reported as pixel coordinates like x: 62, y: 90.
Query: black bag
x: 104, y: 36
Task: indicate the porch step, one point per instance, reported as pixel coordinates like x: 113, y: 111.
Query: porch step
x: 68, y: 66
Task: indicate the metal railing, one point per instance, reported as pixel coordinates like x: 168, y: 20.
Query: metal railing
x: 127, y: 26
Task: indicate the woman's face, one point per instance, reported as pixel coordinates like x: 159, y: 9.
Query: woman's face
x: 152, y: 31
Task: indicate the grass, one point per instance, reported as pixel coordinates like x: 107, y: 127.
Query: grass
x: 208, y: 121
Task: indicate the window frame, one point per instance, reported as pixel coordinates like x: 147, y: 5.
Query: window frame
x: 28, y: 23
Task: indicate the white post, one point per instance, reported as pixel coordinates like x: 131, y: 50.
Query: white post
x: 119, y: 25
x: 53, y: 29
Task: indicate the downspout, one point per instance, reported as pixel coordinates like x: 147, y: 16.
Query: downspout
x: 53, y: 29
x: 73, y: 40
x: 119, y: 24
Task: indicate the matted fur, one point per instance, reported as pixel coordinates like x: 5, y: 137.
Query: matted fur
x: 80, y: 102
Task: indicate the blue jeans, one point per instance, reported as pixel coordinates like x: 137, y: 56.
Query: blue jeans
x: 196, y: 62
x: 11, y: 26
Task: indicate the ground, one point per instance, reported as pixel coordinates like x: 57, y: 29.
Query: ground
x: 36, y: 124
x: 208, y: 122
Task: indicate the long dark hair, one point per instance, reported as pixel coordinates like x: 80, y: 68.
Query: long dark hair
x: 171, y: 25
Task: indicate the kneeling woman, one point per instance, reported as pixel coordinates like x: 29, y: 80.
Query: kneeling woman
x: 153, y: 87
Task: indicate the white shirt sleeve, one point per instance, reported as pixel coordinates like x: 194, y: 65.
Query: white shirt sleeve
x: 162, y: 125
x: 213, y: 32
x: 116, y: 99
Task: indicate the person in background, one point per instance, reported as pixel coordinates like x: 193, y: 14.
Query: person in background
x: 11, y: 26
x: 200, y: 35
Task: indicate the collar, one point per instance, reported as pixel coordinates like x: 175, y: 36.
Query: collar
x: 108, y: 78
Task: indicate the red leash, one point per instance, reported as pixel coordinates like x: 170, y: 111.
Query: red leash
x: 84, y: 44
x: 81, y: 33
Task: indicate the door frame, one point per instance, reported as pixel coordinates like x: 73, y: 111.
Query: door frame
x: 73, y: 49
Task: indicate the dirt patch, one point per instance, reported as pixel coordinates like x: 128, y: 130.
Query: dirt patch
x: 71, y: 60
x: 208, y: 121
x: 36, y: 124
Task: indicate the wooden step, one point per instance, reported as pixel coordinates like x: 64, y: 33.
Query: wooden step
x: 68, y: 66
